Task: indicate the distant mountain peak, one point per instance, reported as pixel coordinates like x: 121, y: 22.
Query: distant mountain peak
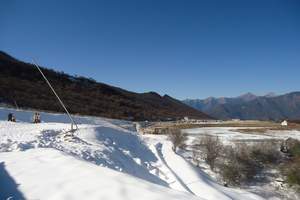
x: 248, y: 96
x: 270, y: 94
x: 210, y: 98
x: 250, y: 106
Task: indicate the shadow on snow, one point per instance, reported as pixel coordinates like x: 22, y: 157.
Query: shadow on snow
x: 8, y: 186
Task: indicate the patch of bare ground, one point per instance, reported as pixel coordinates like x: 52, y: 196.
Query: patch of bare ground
x: 254, y: 124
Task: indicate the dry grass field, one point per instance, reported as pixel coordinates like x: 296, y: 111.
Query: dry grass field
x: 246, y: 126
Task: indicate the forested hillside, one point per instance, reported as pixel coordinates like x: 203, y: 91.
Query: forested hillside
x: 22, y: 85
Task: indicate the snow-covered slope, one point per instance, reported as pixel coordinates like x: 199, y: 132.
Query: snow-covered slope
x: 40, y: 162
x: 190, y: 178
x: 51, y: 174
x: 27, y: 115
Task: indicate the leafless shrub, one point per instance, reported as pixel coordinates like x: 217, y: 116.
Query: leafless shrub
x: 196, y: 155
x: 209, y: 147
x: 177, y: 138
x: 239, y: 166
x: 230, y: 169
x: 291, y: 172
x: 266, y: 152
x: 290, y: 168
x: 243, y: 162
x: 239, y: 163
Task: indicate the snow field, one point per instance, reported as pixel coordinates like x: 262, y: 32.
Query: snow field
x: 48, y: 165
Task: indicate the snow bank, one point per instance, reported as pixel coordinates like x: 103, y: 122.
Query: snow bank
x: 105, y: 145
x: 50, y: 174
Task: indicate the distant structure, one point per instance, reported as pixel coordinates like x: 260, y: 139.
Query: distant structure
x: 284, y: 123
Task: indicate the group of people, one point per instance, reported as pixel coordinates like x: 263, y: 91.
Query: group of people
x: 35, y: 119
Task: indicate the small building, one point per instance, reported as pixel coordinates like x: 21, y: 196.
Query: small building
x: 284, y: 123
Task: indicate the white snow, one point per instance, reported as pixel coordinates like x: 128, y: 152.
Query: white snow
x: 190, y: 178
x: 27, y: 115
x: 105, y: 160
x: 229, y: 134
x: 51, y: 174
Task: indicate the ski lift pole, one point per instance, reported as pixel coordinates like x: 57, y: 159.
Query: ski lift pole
x: 60, y: 101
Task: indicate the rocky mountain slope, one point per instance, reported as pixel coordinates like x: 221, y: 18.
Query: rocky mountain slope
x: 249, y: 106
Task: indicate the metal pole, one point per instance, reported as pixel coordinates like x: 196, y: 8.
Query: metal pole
x: 60, y: 101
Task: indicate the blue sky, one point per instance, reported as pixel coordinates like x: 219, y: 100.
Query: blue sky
x: 187, y: 49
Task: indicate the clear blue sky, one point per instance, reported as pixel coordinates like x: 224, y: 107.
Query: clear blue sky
x: 187, y: 49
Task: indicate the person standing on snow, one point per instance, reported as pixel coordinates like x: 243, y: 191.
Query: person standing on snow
x: 11, y: 118
x: 36, y: 118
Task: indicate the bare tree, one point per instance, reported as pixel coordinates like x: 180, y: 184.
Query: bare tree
x: 177, y: 138
x: 211, y: 148
x: 196, y: 155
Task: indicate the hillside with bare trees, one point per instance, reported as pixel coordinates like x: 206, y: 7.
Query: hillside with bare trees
x: 22, y: 86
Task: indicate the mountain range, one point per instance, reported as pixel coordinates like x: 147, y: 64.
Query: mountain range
x: 21, y: 85
x: 250, y: 106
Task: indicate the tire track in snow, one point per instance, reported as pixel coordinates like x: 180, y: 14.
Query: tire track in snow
x: 158, y: 148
